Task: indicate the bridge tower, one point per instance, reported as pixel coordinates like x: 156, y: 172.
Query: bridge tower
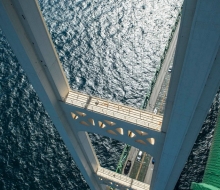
x: 194, y: 82
x: 73, y: 113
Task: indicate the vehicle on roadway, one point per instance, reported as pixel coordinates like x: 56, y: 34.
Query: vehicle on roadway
x: 170, y: 69
x: 127, y: 167
x: 153, y: 161
x: 139, y: 156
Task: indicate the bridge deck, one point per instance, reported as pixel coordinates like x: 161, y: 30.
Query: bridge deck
x: 138, y: 117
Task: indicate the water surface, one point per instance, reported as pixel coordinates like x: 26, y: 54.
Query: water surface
x: 109, y: 49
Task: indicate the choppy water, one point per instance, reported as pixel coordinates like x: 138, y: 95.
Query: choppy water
x: 195, y: 166
x: 109, y: 49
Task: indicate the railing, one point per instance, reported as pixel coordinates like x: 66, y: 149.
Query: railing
x: 121, y: 179
x: 123, y: 158
x: 153, y: 82
x: 122, y: 112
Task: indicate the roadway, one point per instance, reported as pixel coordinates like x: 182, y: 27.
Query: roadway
x: 131, y: 156
x: 152, y: 102
x: 167, y: 61
x: 149, y: 172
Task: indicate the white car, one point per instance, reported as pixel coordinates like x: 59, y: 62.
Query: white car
x: 170, y: 69
x: 139, y: 156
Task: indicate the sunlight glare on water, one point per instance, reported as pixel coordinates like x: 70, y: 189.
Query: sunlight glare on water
x: 108, y: 48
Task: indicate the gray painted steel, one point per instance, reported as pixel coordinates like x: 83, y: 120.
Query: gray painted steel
x: 34, y: 50
x: 194, y: 83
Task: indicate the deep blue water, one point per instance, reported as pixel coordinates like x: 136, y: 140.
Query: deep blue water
x: 195, y: 166
x: 32, y: 154
x: 109, y: 49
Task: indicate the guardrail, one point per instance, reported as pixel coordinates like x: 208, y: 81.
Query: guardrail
x: 148, y: 94
x: 120, y: 179
x: 123, y: 158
